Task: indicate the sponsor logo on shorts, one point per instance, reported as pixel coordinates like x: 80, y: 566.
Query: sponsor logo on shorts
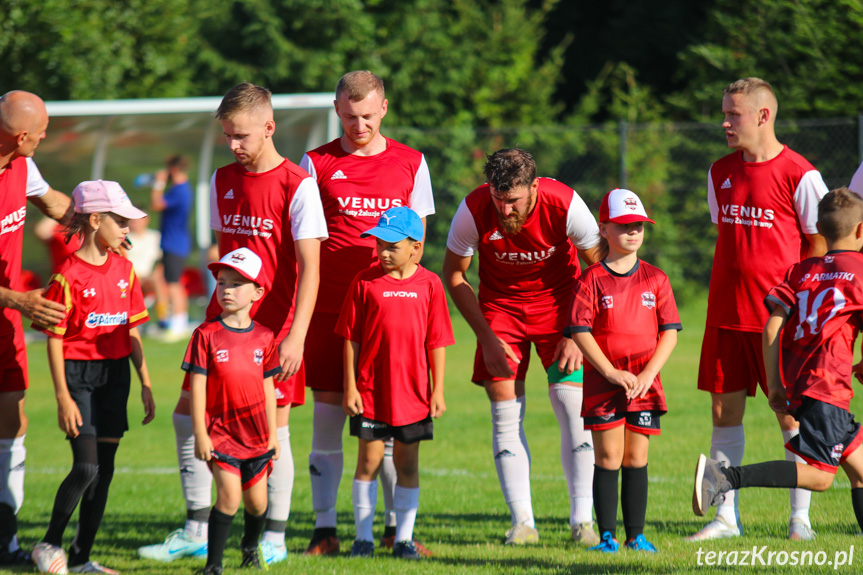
x: 279, y: 394
x: 648, y: 300
x: 607, y: 416
x: 504, y: 454
x: 373, y: 425
x: 122, y: 284
x: 106, y: 319
x: 607, y: 302
x: 645, y: 419
x: 407, y: 294
x: 583, y: 448
x: 259, y: 356
x: 222, y: 355
x: 89, y: 292
x: 836, y: 452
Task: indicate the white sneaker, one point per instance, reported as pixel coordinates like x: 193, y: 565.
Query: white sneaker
x: 176, y: 545
x: 799, y: 531
x: 49, y: 558
x: 92, y: 567
x: 719, y: 528
x: 710, y: 485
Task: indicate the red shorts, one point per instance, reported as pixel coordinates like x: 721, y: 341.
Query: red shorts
x: 13, y: 361
x: 731, y: 360
x: 323, y: 358
x: 291, y: 392
x: 519, y: 325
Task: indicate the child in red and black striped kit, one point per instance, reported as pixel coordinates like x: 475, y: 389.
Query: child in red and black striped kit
x: 625, y: 321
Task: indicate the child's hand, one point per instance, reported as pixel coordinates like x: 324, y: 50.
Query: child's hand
x: 644, y: 382
x: 203, y: 448
x: 149, y: 404
x: 69, y: 416
x: 273, y: 445
x: 437, y: 407
x: 624, y: 379
x: 352, y: 402
x: 778, y: 399
x: 858, y: 371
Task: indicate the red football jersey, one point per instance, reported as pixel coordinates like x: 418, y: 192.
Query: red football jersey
x: 21, y: 179
x: 102, y: 304
x: 762, y: 211
x: 541, y: 260
x: 355, y: 191
x: 236, y: 362
x: 396, y: 322
x: 267, y: 212
x: 625, y: 313
x: 824, y: 299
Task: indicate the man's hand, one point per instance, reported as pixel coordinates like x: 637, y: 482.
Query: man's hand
x: 495, y: 354
x: 290, y: 358
x: 567, y: 355
x: 32, y: 305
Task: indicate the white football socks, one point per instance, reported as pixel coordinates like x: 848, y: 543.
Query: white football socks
x: 280, y: 486
x: 727, y: 444
x: 387, y: 477
x: 326, y: 461
x: 195, y: 476
x: 407, y: 502
x: 800, y: 498
x: 576, y: 450
x: 365, y: 499
x: 12, y: 457
x: 511, y: 459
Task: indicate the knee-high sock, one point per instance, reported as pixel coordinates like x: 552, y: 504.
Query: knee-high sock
x: 253, y: 525
x: 857, y: 504
x: 387, y: 478
x: 93, y: 505
x: 727, y: 444
x: 407, y: 502
x: 633, y: 500
x: 220, y: 528
x: 605, y: 498
x: 576, y: 450
x: 800, y: 498
x: 280, y: 486
x: 365, y: 495
x: 511, y: 459
x: 85, y: 468
x: 12, y: 456
x: 326, y: 461
x: 195, y: 477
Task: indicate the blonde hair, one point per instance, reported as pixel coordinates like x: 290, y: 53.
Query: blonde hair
x: 242, y: 98
x: 359, y: 84
x: 754, y: 87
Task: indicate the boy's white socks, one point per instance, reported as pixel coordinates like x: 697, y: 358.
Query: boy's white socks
x: 365, y: 498
x: 407, y: 501
x: 800, y: 498
x: 280, y: 486
x: 576, y: 450
x: 326, y: 461
x: 195, y: 476
x: 12, y: 457
x: 727, y: 444
x: 511, y: 459
x: 387, y: 478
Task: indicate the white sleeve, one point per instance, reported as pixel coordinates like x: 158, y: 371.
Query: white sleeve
x: 309, y: 166
x: 215, y: 218
x: 580, y: 224
x: 711, y: 198
x: 463, y: 237
x: 422, y: 201
x: 36, y: 184
x: 809, y: 192
x: 307, y: 212
x: 856, y: 184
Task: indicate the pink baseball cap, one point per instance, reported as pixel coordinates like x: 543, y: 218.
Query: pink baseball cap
x: 99, y: 196
x: 622, y: 207
x: 244, y: 261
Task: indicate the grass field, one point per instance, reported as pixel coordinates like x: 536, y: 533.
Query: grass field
x: 462, y: 515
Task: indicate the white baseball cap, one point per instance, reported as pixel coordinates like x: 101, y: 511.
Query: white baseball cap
x: 244, y: 261
x: 99, y: 196
x: 622, y: 207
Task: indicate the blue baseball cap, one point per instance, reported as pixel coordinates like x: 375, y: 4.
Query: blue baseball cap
x: 397, y: 224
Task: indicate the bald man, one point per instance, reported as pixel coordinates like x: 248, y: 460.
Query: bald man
x: 23, y: 121
x: 763, y: 199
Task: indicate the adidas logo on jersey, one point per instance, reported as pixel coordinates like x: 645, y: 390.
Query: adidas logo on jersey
x: 495, y: 235
x: 229, y: 195
x: 726, y: 185
x: 339, y: 175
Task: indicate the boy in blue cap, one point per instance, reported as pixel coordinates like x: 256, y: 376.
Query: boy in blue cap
x: 396, y: 325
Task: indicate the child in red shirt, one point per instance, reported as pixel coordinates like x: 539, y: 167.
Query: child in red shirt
x: 88, y: 354
x: 396, y: 326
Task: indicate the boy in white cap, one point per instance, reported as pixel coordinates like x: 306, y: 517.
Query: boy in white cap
x: 396, y: 326
x: 625, y: 321
x: 231, y: 361
x: 88, y: 353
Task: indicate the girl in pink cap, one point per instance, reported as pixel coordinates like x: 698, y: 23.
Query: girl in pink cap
x: 88, y: 353
x: 625, y: 321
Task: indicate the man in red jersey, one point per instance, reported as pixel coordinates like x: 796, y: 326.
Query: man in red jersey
x: 528, y: 233
x: 23, y: 122
x: 267, y: 204
x: 360, y: 175
x: 763, y: 199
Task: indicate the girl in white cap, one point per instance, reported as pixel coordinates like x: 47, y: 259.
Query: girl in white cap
x: 625, y: 321
x: 88, y: 354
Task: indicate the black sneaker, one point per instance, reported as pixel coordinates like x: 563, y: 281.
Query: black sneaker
x: 17, y: 557
x: 254, y: 557
x: 211, y: 570
x: 406, y: 550
x: 362, y: 548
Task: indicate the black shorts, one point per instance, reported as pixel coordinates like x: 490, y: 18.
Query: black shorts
x: 645, y: 422
x: 174, y: 265
x: 100, y: 389
x: 371, y: 430
x: 828, y: 434
x: 250, y: 470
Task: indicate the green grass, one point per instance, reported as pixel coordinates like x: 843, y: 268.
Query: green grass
x: 462, y: 515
